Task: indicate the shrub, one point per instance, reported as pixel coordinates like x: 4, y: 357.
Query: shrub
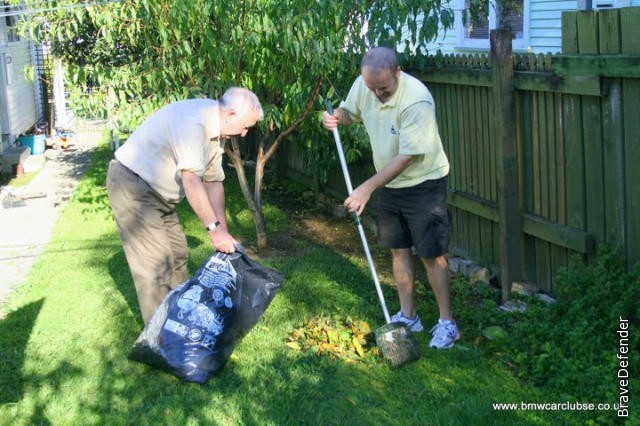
x: 571, y: 346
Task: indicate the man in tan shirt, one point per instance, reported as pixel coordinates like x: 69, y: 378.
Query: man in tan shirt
x: 175, y: 153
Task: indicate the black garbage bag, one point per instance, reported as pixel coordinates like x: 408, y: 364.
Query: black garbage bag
x: 195, y: 329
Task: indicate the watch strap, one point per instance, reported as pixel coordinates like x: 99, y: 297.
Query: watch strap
x: 212, y: 226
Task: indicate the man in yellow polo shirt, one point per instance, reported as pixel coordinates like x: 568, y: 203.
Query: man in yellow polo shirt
x: 398, y: 112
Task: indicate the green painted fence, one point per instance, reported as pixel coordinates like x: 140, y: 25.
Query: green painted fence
x: 578, y: 144
x: 577, y: 135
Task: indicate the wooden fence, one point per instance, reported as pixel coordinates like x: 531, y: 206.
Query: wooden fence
x: 577, y: 142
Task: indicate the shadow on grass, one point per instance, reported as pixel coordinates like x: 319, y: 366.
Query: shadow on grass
x: 301, y: 389
x: 121, y: 275
x: 15, y: 330
x: 119, y: 271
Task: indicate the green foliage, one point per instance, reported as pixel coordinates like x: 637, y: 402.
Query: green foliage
x: 478, y: 304
x: 407, y: 23
x: 479, y: 10
x: 150, y: 52
x: 572, y: 344
x: 126, y: 59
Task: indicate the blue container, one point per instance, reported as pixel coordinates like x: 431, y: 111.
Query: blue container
x: 35, y: 143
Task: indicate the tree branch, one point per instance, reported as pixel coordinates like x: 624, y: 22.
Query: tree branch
x: 314, y: 95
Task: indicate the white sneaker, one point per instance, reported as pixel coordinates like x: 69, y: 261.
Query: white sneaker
x: 414, y: 324
x: 445, y: 333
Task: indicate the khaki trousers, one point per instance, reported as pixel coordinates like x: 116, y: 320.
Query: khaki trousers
x: 154, y: 244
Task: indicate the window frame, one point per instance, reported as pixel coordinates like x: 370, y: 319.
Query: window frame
x: 10, y: 23
x: 463, y: 42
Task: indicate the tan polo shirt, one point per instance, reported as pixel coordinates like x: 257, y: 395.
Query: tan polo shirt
x: 405, y: 124
x: 184, y: 135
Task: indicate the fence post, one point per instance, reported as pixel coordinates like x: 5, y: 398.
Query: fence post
x: 508, y: 175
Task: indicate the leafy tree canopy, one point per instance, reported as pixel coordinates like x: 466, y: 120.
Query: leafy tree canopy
x: 136, y: 55
x: 154, y: 51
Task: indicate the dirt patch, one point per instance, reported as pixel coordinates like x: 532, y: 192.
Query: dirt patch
x: 341, y: 235
x: 314, y: 221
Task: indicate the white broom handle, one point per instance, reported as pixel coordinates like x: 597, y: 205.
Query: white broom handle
x: 347, y: 181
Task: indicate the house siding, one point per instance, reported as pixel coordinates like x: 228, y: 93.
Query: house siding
x: 545, y: 29
x: 545, y: 24
x: 21, y: 97
x: 17, y: 94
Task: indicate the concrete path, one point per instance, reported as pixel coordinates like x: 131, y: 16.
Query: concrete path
x: 28, y: 213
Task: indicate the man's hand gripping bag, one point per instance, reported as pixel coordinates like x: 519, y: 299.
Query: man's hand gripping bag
x: 195, y: 329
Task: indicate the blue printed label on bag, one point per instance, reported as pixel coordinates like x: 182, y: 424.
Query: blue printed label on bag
x: 176, y: 327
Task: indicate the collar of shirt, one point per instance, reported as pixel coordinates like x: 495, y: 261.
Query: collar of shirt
x: 214, y: 123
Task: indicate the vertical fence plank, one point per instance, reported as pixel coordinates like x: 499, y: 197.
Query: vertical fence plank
x: 630, y: 28
x: 485, y: 119
x: 473, y: 126
x: 594, y: 176
x: 453, y: 137
x: 543, y: 264
x: 572, y: 137
x: 525, y: 134
x: 631, y: 106
x: 481, y: 164
x: 464, y: 135
x: 587, y: 23
x: 545, y: 160
x: 538, y: 152
x: 529, y: 176
x: 559, y: 255
x: 570, y: 32
x: 609, y: 31
x: 552, y: 168
x: 612, y: 136
x: 493, y: 181
x: 574, y: 162
x: 560, y: 162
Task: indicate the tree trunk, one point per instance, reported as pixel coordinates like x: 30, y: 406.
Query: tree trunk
x: 256, y: 211
x: 264, y: 154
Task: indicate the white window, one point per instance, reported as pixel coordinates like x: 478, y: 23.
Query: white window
x: 476, y: 35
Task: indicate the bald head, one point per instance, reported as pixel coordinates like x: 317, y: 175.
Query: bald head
x: 380, y: 72
x: 379, y: 59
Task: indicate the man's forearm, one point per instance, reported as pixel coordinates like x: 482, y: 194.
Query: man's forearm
x: 215, y: 193
x: 388, y: 172
x: 198, y: 198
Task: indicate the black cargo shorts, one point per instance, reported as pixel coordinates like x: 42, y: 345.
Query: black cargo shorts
x: 417, y: 217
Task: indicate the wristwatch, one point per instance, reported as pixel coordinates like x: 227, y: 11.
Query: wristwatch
x: 212, y: 226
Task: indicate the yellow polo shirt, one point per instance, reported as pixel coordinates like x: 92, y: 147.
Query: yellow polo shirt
x: 405, y: 124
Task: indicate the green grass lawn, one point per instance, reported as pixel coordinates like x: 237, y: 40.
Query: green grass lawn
x: 67, y: 330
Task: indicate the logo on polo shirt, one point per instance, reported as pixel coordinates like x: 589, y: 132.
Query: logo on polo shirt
x: 393, y: 130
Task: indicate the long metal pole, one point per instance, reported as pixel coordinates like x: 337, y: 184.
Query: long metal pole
x: 347, y: 181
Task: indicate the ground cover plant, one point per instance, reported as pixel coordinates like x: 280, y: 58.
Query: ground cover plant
x: 66, y: 332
